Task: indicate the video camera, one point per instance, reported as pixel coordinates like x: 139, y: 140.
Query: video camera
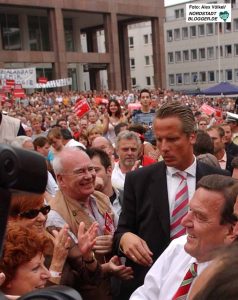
x: 25, y: 171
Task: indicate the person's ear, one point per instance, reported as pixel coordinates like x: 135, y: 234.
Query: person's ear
x: 231, y: 236
x: 109, y: 170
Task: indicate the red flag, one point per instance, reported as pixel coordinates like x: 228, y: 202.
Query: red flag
x: 207, y: 109
x: 6, y: 88
x: 43, y: 80
x: 19, y: 93
x: 10, y: 82
x: 18, y: 87
x: 81, y: 108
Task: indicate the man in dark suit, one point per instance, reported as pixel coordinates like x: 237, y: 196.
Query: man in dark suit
x: 149, y: 193
x: 231, y: 147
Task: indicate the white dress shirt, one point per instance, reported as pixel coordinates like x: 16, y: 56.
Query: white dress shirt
x: 166, y: 275
x: 173, y: 182
x: 118, y: 178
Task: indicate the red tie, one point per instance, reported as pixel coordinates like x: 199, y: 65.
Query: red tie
x: 180, y: 208
x: 183, y: 290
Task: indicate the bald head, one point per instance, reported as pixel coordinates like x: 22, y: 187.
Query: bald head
x: 104, y: 144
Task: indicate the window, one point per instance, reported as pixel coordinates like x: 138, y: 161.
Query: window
x: 236, y: 49
x: 132, y: 63
x: 211, y: 76
x: 219, y: 27
x: 169, y: 35
x: 133, y: 81
x: 201, y: 30
x: 228, y: 75
x: 228, y: 50
x: 227, y: 27
x: 170, y: 57
x: 178, y: 56
x: 148, y: 80
x: 210, y: 53
x: 179, y: 13
x: 202, y: 53
x: 219, y: 53
x: 186, y: 78
x: 202, y: 76
x: 185, y: 33
x: 236, y: 74
x: 146, y: 39
x: 177, y: 34
x: 39, y: 33
x: 11, y: 37
x: 171, y: 79
x: 185, y: 55
x: 219, y: 76
x: 210, y: 28
x: 193, y: 32
x: 235, y: 24
x: 68, y: 33
x: 194, y: 54
x: 179, y: 79
x: 147, y: 60
x: 194, y: 77
x: 131, y: 42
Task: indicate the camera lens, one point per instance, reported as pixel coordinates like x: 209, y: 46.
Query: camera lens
x: 8, y: 165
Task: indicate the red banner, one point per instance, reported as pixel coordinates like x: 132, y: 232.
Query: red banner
x: 19, y: 93
x: 10, y: 82
x: 207, y: 109
x: 42, y: 80
x: 6, y: 88
x: 18, y: 86
x: 81, y: 108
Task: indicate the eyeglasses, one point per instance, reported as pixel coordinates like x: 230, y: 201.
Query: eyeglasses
x: 33, y: 213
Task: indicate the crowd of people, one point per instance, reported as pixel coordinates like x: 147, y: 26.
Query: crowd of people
x: 140, y: 201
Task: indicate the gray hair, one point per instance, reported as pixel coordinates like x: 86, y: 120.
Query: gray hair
x: 62, y: 156
x: 127, y: 135
x: 20, y: 140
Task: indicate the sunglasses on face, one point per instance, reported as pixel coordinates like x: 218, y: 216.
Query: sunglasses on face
x: 33, y: 213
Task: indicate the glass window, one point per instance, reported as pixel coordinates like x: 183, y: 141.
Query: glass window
x: 179, y: 13
x: 131, y: 42
x: 211, y: 76
x: 202, y: 53
x: 228, y: 75
x: 179, y: 79
x: 219, y: 53
x: 170, y: 57
x: 185, y: 33
x: 178, y: 56
x: 147, y: 60
x: 210, y: 28
x: 169, y: 35
x: 228, y: 50
x: 68, y: 33
x: 236, y: 49
x: 201, y: 30
x: 146, y: 39
x: 193, y: 32
x: 177, y: 34
x: 10, y: 29
x: 194, y: 77
x: 235, y: 24
x: 210, y: 53
x: 171, y: 79
x: 133, y: 81
x: 194, y: 54
x: 202, y: 76
x: 236, y: 74
x: 39, y: 33
x: 148, y: 80
x: 186, y: 78
x: 227, y: 27
x: 132, y: 63
x: 185, y: 55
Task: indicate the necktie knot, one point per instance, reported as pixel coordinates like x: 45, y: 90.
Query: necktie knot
x: 182, y: 175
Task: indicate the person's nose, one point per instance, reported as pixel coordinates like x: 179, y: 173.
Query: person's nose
x: 235, y: 229
x: 45, y: 273
x: 41, y: 217
x: 163, y: 146
x: 187, y: 220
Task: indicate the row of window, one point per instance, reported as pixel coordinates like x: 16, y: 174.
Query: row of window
x: 147, y: 59
x: 200, y: 30
x: 148, y: 80
x: 203, y: 53
x: 147, y: 38
x: 203, y: 77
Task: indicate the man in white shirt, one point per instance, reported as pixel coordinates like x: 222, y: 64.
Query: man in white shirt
x: 209, y: 224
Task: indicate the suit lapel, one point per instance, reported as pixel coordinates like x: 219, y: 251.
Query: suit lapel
x: 159, y: 196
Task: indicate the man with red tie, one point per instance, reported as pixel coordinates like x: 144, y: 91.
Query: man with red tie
x: 156, y: 197
x: 209, y: 225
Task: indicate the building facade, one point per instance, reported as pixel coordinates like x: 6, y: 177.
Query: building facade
x: 63, y: 39
x: 199, y: 55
